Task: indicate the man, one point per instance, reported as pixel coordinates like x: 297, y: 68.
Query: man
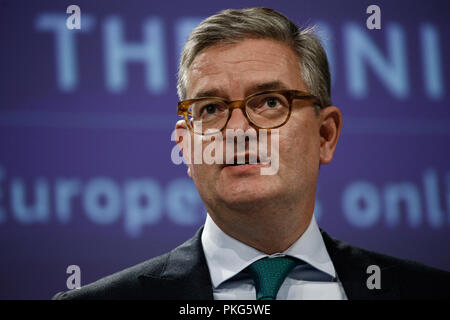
x: 253, y: 69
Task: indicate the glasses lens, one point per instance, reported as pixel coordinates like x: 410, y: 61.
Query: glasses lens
x: 268, y: 110
x: 208, y: 115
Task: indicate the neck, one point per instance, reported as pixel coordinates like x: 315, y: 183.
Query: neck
x: 265, y: 228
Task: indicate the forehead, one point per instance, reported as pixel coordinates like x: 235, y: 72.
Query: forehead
x: 232, y: 69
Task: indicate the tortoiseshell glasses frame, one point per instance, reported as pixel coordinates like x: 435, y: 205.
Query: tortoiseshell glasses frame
x: 250, y: 107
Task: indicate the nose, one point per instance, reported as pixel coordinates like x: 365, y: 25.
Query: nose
x: 238, y: 120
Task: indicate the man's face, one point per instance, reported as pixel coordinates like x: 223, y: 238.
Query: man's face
x: 233, y: 72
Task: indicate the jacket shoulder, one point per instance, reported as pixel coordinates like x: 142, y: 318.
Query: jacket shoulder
x: 125, y: 284
x: 179, y: 274
x: 405, y: 278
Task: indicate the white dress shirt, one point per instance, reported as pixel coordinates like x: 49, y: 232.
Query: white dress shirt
x: 227, y: 257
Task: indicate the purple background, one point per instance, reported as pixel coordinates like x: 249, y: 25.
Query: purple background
x: 392, y: 139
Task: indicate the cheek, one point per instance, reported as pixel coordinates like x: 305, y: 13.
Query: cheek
x: 202, y: 172
x: 299, y: 145
x: 202, y: 178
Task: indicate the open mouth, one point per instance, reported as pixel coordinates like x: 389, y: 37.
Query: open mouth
x: 241, y: 164
x: 244, y: 160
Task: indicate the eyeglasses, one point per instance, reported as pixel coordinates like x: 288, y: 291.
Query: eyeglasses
x: 265, y: 110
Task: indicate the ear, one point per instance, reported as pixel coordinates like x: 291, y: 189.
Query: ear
x: 330, y: 128
x: 182, y: 136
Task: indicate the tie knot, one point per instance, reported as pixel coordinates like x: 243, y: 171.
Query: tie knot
x: 269, y: 274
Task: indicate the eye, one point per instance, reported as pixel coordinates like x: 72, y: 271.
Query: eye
x: 209, y: 109
x: 272, y: 102
x: 267, y: 102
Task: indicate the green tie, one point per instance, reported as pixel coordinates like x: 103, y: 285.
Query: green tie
x: 269, y: 274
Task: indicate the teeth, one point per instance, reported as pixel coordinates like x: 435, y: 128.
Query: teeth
x: 247, y: 162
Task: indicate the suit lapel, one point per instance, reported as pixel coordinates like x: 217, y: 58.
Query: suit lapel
x: 185, y: 274
x: 351, y: 265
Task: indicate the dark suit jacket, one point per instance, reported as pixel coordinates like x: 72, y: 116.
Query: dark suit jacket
x: 183, y: 274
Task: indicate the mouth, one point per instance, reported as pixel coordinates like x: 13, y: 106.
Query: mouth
x: 246, y: 159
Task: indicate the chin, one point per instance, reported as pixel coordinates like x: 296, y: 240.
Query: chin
x: 248, y: 193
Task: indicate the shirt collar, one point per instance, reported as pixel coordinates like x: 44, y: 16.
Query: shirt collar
x: 227, y: 256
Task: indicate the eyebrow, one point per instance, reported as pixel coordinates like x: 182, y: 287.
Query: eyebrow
x: 208, y: 93
x: 272, y: 85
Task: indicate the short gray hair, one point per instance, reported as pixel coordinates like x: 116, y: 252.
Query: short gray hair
x: 234, y: 25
